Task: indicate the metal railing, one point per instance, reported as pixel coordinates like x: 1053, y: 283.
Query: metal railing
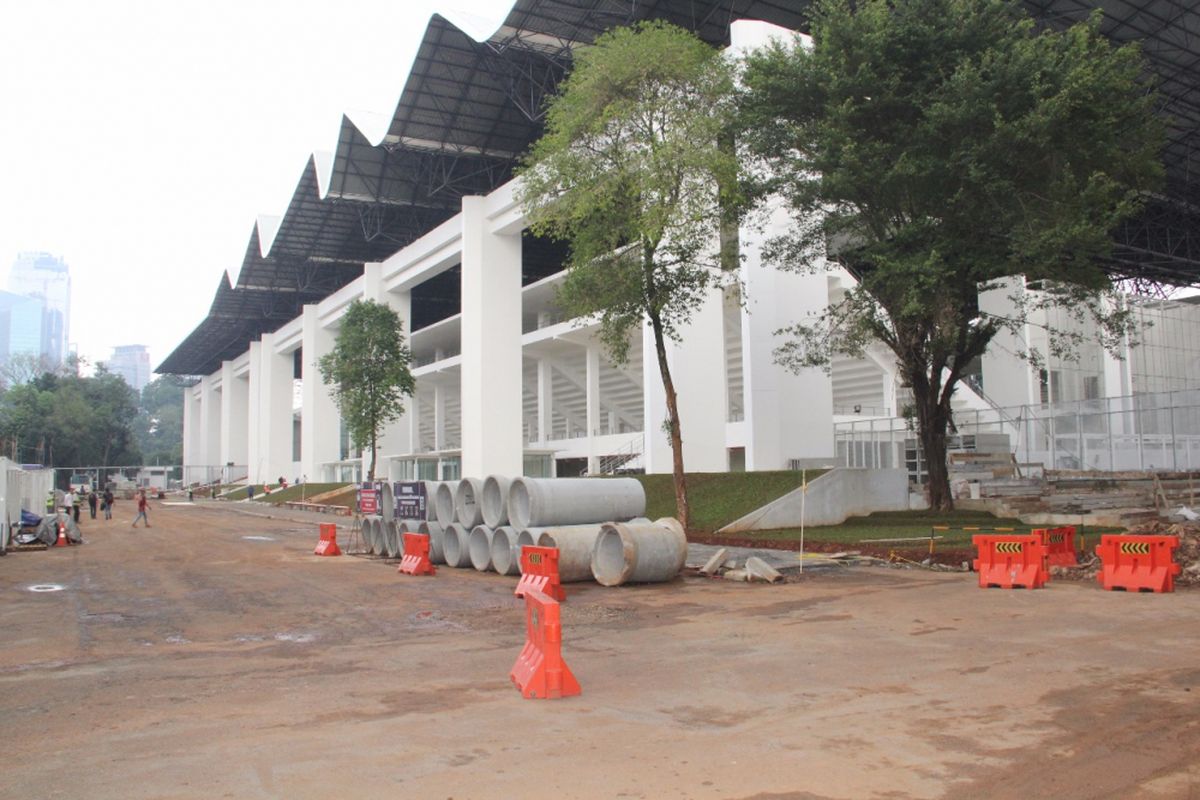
x: 1159, y: 431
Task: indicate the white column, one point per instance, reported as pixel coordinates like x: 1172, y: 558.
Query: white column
x: 491, y: 347
x: 397, y: 438
x: 210, y: 428
x: 255, y: 422
x: 235, y: 407
x: 192, y: 455
x: 545, y: 400
x: 320, y: 426
x: 271, y: 424
x: 788, y: 415
x: 439, y: 417
x: 592, y: 381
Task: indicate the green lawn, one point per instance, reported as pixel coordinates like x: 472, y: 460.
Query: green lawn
x: 290, y: 493
x: 718, y: 498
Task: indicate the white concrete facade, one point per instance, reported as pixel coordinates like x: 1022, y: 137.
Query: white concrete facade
x: 506, y: 387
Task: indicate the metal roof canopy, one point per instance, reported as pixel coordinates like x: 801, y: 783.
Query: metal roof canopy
x: 469, y: 109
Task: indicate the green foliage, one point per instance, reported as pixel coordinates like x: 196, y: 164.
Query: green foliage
x: 159, y: 424
x: 941, y: 146
x: 69, y: 420
x: 368, y: 372
x: 637, y: 172
x: 718, y: 498
x: 633, y: 173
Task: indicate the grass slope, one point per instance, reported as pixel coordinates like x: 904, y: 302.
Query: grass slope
x: 718, y: 498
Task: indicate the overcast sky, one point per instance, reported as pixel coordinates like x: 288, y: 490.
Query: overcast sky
x: 140, y: 139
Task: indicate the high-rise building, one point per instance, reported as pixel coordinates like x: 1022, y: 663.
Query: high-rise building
x: 47, y: 279
x: 131, y: 362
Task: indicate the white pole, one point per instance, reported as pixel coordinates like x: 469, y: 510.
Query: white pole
x: 803, y: 498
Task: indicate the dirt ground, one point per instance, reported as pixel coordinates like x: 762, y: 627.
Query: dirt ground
x: 189, y: 661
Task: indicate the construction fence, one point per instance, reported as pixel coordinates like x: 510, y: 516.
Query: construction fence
x: 1155, y: 432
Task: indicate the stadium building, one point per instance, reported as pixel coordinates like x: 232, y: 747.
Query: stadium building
x: 426, y: 221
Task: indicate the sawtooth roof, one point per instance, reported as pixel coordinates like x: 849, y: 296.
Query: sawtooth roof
x: 470, y: 108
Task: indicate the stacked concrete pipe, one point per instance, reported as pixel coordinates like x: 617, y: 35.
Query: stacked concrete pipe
x: 391, y: 537
x: 456, y: 546
x: 444, y: 504
x: 364, y: 531
x: 436, y: 536
x: 639, y: 552
x: 468, y: 506
x: 372, y: 532
x: 494, y: 502
x: 479, y: 547
x: 575, y: 544
x: 431, y: 490
x: 506, y: 552
x: 387, y: 502
x: 552, y: 502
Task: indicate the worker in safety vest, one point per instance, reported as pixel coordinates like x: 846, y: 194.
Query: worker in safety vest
x: 50, y: 503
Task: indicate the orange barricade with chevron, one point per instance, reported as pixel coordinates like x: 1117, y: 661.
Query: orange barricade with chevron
x: 328, y: 545
x: 1009, y: 561
x: 540, y: 672
x: 416, y: 556
x: 1138, y: 563
x: 1061, y: 550
x: 539, y: 571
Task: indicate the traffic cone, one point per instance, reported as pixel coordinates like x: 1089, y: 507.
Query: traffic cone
x: 62, y: 535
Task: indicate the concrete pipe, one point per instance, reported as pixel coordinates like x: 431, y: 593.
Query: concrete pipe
x: 370, y: 534
x: 479, y: 548
x: 547, y: 502
x: 436, y: 536
x: 627, y: 552
x: 431, y: 489
x: 387, y: 502
x: 574, y: 543
x: 468, y: 505
x: 409, y: 525
x: 495, y: 500
x: 444, y: 504
x: 456, y: 545
x: 392, y: 541
x: 506, y: 553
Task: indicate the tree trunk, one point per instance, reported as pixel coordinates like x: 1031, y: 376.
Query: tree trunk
x: 371, y: 467
x: 932, y: 420
x: 681, y: 498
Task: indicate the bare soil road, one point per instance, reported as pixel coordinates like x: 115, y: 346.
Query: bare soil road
x: 189, y: 661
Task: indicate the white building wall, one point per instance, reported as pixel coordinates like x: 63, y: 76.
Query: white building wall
x: 235, y: 409
x: 320, y: 426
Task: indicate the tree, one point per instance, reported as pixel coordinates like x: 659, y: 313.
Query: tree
x: 944, y: 145
x: 636, y: 172
x: 368, y: 372
x: 159, y: 423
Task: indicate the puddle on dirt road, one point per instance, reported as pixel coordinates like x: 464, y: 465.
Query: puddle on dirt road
x: 259, y: 538
x: 45, y: 587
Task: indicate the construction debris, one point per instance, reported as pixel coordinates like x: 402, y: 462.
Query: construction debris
x: 713, y: 564
x: 762, y: 570
x: 1187, y: 555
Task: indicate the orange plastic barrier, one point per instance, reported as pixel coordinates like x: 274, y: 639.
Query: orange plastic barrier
x: 540, y: 672
x: 1061, y: 550
x: 1008, y: 561
x: 328, y: 545
x: 416, y: 556
x: 539, y: 572
x: 1138, y: 563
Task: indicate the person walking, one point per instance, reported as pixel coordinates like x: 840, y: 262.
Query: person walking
x: 68, y: 501
x: 141, y: 506
x: 108, y: 503
x: 250, y: 492
x: 93, y: 501
x: 76, y: 502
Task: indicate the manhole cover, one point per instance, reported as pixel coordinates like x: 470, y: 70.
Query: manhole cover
x: 46, y: 587
x: 259, y: 538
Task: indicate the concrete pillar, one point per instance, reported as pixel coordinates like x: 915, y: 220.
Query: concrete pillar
x: 192, y: 455
x: 491, y: 347
x: 320, y: 427
x: 545, y: 400
x: 788, y: 415
x: 210, y: 428
x: 698, y: 371
x: 592, y: 381
x: 439, y: 417
x: 397, y: 438
x: 413, y: 418
x: 235, y: 412
x: 270, y: 424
